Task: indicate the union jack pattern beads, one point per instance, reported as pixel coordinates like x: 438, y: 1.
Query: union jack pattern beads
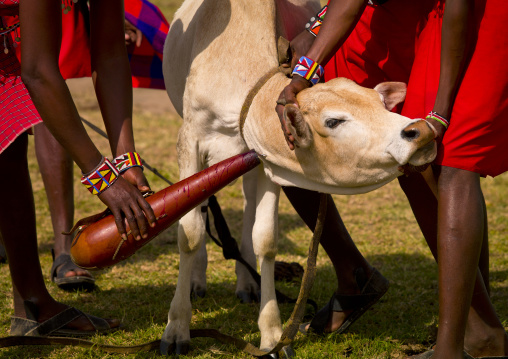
x: 309, y: 70
x: 127, y: 160
x: 100, y: 178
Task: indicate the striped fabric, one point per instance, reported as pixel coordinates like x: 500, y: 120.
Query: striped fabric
x: 17, y: 111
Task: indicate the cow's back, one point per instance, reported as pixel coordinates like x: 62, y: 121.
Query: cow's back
x: 216, y: 50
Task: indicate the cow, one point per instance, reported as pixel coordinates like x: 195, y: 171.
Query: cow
x: 349, y: 141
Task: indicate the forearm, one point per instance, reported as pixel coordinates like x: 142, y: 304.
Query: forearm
x: 40, y: 72
x: 111, y: 73
x: 455, y: 33
x: 341, y: 18
x: 113, y: 86
x: 54, y: 103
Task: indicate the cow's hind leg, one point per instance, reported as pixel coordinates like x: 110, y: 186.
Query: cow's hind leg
x: 246, y: 287
x: 264, y: 238
x: 176, y: 337
x: 191, y: 233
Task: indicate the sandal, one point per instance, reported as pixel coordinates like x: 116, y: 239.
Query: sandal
x: 373, y: 289
x: 55, y: 326
x: 61, y: 266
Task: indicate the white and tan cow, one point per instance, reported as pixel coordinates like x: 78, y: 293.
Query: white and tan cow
x: 350, y: 143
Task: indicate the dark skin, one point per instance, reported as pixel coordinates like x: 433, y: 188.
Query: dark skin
x: 56, y: 167
x: 40, y: 49
x: 458, y: 233
x: 111, y: 76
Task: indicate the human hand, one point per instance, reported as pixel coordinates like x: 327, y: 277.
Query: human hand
x: 132, y: 34
x: 300, y: 45
x: 286, y: 97
x: 125, y: 201
x: 135, y: 177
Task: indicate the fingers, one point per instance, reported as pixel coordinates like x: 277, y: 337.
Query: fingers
x: 128, y: 205
x: 148, y: 211
x: 119, y: 223
x: 287, y: 133
x: 139, y: 37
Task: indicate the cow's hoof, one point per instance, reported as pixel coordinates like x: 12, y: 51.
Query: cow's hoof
x: 180, y: 348
x: 271, y: 356
x: 248, y: 297
x: 289, y: 352
x: 166, y: 348
x: 200, y: 293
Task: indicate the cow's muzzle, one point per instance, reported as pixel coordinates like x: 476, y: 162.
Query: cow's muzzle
x: 418, y: 132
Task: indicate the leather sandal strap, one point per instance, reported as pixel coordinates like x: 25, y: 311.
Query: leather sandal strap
x: 61, y: 259
x: 56, y: 322
x: 342, y: 303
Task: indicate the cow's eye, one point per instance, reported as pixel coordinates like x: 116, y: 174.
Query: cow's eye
x: 333, y: 122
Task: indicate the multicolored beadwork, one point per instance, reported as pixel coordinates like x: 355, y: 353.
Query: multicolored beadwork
x: 100, y: 178
x: 314, y: 27
x: 127, y: 160
x: 437, y: 117
x: 314, y: 24
x: 309, y: 70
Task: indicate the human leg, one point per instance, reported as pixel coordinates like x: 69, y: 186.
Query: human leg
x: 56, y: 168
x: 460, y: 236
x: 17, y: 225
x: 483, y: 327
x: 336, y: 241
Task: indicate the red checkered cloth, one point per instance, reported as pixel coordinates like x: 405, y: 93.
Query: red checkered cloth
x: 17, y: 111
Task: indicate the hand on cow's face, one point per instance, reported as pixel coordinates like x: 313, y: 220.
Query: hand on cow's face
x: 288, y: 97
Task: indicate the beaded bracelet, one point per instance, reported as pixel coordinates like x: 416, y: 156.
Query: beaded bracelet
x: 315, y: 22
x: 437, y: 117
x: 127, y: 160
x: 103, y: 176
x: 309, y: 70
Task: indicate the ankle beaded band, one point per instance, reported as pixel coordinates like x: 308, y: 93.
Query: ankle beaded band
x: 100, y: 178
x: 314, y: 24
x: 437, y: 117
x: 309, y: 70
x: 126, y: 161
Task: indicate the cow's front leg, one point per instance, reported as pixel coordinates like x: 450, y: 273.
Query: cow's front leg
x: 176, y: 337
x: 264, y: 238
x: 246, y: 287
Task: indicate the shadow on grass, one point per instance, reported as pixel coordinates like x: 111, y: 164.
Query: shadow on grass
x: 406, y: 315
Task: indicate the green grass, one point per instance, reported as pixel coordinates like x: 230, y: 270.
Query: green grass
x: 139, y: 290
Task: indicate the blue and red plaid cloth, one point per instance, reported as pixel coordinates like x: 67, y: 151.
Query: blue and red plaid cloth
x: 146, y: 60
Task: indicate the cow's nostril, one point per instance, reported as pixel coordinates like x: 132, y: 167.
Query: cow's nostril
x: 410, y: 134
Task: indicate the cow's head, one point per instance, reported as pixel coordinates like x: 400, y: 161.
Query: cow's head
x: 347, y: 139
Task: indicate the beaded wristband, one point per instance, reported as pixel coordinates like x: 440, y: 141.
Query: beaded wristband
x: 309, y: 70
x: 103, y: 176
x: 126, y: 161
x: 437, y: 117
x: 314, y: 24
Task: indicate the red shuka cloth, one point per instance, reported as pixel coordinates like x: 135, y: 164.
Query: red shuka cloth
x: 476, y: 139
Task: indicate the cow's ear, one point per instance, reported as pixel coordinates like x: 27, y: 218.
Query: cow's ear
x: 298, y: 126
x: 391, y: 93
